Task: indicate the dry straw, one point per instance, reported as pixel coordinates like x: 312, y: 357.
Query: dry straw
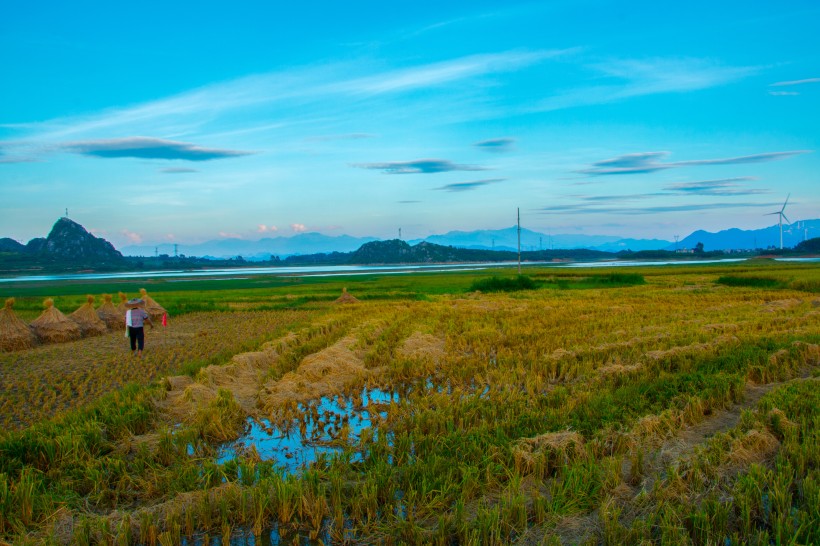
x: 109, y: 314
x: 154, y: 309
x: 87, y: 319
x: 346, y: 297
x: 15, y: 334
x: 122, y: 307
x: 329, y: 372
x: 53, y: 326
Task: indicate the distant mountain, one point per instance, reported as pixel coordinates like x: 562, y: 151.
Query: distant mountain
x: 396, y: 251
x: 737, y: 239
x: 507, y: 239
x: 68, y: 246
x: 262, y: 249
x: 70, y: 241
x: 10, y: 245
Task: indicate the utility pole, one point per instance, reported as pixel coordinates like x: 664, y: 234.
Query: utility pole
x: 175, y: 249
x: 399, y: 234
x: 66, y: 212
x: 518, y: 210
x: 156, y: 252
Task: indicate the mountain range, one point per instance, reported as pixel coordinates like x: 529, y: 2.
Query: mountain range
x: 499, y: 239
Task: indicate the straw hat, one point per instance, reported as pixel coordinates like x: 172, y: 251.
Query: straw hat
x: 135, y: 303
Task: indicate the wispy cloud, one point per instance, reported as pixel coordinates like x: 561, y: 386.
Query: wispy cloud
x: 724, y: 186
x: 647, y: 162
x: 148, y: 148
x: 348, y: 136
x: 445, y: 72
x: 468, y: 186
x: 418, y: 166
x: 642, y: 162
x: 795, y: 82
x: 783, y: 93
x: 755, y: 158
x: 407, y: 202
x: 178, y: 170
x: 588, y: 209
x: 320, y: 88
x: 298, y: 228
x: 628, y: 78
x: 496, y: 145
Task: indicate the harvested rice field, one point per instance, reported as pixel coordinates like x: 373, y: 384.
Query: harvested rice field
x: 667, y: 405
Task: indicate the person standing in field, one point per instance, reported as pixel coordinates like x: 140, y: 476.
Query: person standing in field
x: 135, y: 319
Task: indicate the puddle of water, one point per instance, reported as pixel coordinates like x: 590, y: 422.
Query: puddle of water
x: 243, y: 537
x: 299, y: 446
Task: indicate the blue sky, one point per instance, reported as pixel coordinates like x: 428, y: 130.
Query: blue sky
x: 205, y: 120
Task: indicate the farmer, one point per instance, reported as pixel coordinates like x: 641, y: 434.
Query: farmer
x: 134, y: 318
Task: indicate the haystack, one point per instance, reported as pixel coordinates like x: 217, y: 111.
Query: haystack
x: 346, y: 297
x: 154, y: 309
x: 122, y: 307
x: 15, y: 334
x: 109, y: 314
x: 87, y: 319
x: 53, y: 326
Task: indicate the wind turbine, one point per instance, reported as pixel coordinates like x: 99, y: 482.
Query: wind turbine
x: 781, y: 216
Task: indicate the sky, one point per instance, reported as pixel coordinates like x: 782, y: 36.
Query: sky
x: 193, y: 121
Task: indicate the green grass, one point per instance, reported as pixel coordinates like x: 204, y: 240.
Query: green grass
x: 503, y: 284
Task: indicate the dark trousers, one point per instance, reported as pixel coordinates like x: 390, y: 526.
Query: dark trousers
x: 137, y: 336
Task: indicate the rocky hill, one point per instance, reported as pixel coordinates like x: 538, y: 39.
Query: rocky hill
x: 69, y: 246
x: 69, y: 240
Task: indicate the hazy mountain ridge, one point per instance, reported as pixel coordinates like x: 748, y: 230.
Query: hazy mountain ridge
x: 739, y: 239
x: 262, y: 249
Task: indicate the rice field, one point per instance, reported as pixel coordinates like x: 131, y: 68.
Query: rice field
x: 669, y: 405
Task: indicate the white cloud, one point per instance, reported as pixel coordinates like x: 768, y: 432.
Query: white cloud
x: 634, y: 78
x: 298, y: 228
x: 133, y: 238
x: 795, y: 82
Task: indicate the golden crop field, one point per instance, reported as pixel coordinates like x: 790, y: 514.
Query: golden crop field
x: 667, y: 405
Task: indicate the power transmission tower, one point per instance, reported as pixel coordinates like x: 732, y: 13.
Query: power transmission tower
x: 518, y: 211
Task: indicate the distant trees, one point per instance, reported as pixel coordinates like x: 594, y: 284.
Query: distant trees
x: 809, y: 245
x: 699, y: 248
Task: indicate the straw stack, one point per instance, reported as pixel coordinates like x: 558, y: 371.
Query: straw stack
x: 346, y: 297
x: 53, y: 326
x: 122, y: 307
x: 154, y: 309
x: 87, y: 319
x: 109, y: 314
x: 15, y: 334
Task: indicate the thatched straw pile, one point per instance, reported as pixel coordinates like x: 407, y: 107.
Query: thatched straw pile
x: 14, y: 333
x: 122, y: 307
x: 424, y: 347
x: 53, y: 326
x: 87, y: 319
x: 109, y: 314
x: 326, y: 373
x: 346, y: 297
x: 154, y: 309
